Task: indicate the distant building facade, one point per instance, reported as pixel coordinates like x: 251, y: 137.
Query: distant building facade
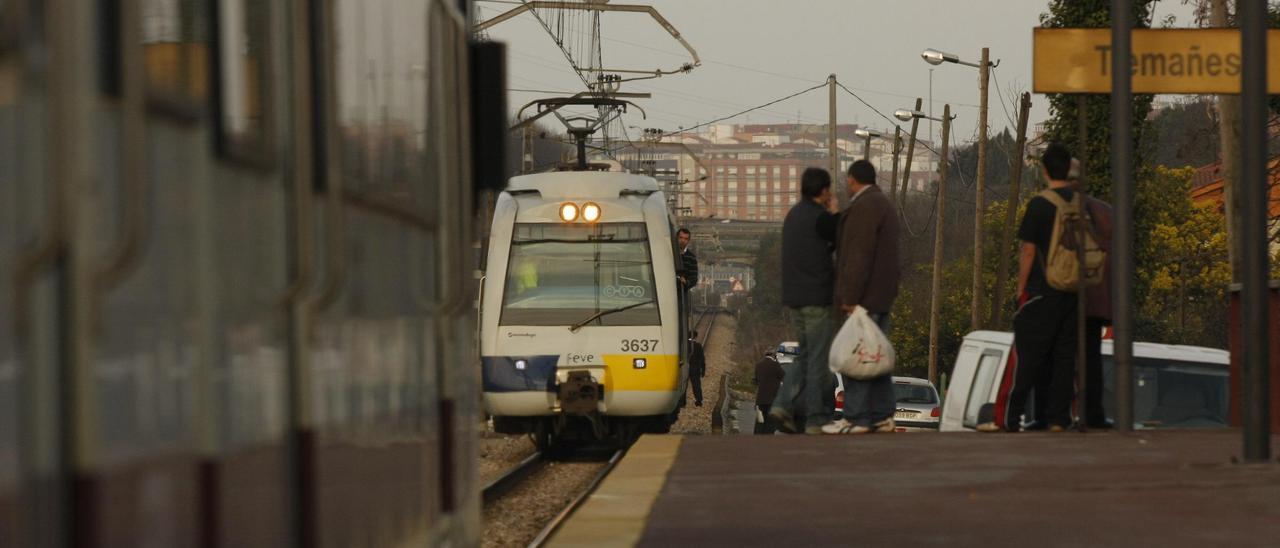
x: 752, y: 172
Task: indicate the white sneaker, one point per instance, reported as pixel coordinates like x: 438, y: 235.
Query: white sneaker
x: 843, y: 426
x: 837, y: 427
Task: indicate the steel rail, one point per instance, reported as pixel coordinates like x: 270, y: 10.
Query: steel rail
x: 564, y: 515
x: 508, y: 480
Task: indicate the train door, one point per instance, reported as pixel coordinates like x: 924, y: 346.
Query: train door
x: 388, y: 338
x: 184, y: 361
x: 34, y: 471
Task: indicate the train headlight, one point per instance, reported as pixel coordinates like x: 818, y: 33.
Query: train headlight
x: 590, y: 212
x: 521, y: 365
x: 639, y: 363
x: 569, y: 212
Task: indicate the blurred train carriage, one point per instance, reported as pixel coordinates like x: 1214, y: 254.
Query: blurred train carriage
x: 236, y: 247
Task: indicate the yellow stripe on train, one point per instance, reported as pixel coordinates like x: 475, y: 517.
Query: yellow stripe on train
x: 661, y: 372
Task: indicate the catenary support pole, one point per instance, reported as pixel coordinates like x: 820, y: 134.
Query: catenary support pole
x: 1229, y: 137
x: 1122, y: 194
x: 1253, y: 170
x: 911, y: 152
x: 1082, y: 185
x: 975, y: 306
x: 1016, y: 167
x: 833, y: 152
x: 935, y: 293
x: 897, y: 150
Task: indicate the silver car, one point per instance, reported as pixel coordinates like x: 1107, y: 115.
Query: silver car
x: 918, y: 408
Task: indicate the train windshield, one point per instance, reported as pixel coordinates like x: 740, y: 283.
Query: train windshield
x: 562, y: 274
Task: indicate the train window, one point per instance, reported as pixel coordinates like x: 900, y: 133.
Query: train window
x: 175, y: 49
x: 382, y: 60
x: 243, y: 27
x: 562, y: 274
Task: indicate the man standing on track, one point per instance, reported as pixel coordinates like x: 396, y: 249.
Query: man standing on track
x: 867, y: 275
x: 697, y: 367
x: 807, y: 275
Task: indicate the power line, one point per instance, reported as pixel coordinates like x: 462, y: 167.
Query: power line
x: 882, y: 115
x: 1003, y: 106
x: 755, y: 108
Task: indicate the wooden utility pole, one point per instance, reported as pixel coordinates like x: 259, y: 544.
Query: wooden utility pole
x: 1229, y: 139
x: 911, y: 152
x: 1010, y: 214
x: 975, y: 313
x: 833, y: 152
x: 897, y: 149
x: 935, y: 305
x: 1082, y: 138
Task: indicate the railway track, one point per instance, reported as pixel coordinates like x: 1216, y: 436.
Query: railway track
x: 554, y: 525
x: 708, y: 315
x: 529, y: 471
x: 513, y: 477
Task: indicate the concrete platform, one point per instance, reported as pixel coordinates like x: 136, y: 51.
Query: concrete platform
x: 1170, y: 488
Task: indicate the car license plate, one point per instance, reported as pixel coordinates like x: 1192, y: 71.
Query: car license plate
x: 906, y: 414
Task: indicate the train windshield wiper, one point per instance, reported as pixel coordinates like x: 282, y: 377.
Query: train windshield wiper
x: 575, y: 327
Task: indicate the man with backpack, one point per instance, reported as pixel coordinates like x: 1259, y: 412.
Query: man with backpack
x: 1054, y: 227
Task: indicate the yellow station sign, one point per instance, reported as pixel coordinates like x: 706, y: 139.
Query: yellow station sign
x: 1163, y: 61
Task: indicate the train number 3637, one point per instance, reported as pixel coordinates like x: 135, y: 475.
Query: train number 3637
x: 639, y: 345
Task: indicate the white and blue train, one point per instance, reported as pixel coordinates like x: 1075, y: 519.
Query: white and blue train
x: 582, y: 317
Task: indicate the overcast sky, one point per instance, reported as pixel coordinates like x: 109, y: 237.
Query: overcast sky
x: 754, y: 51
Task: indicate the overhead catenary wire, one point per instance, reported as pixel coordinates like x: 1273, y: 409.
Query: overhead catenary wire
x: 755, y: 108
x: 775, y: 74
x: 1000, y: 94
x: 557, y: 38
x: 892, y: 123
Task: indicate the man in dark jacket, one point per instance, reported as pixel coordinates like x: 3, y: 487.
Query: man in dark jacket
x: 697, y: 367
x: 768, y: 376
x: 688, y: 277
x: 688, y: 260
x: 807, y: 274
x: 867, y: 275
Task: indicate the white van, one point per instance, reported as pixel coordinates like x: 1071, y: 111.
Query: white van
x: 1174, y: 386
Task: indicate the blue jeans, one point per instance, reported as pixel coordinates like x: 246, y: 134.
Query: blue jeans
x: 808, y: 382
x: 870, y: 401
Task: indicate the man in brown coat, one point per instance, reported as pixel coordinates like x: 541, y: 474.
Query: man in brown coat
x: 867, y: 275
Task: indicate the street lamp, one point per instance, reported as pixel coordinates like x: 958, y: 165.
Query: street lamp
x: 868, y: 134
x: 909, y: 115
x: 935, y: 57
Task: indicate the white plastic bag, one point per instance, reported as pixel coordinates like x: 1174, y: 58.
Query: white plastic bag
x: 860, y: 350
